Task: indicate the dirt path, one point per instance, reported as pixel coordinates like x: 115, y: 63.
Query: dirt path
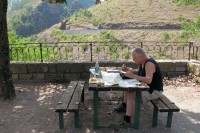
x: 32, y: 111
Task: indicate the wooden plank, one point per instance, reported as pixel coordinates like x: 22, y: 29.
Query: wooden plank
x: 164, y: 107
x: 76, y: 98
x: 66, y: 97
x: 170, y: 104
x: 161, y: 106
x: 93, y: 87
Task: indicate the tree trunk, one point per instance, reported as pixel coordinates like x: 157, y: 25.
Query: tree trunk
x: 6, y: 85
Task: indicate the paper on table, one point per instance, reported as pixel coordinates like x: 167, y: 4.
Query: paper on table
x: 110, y: 79
x: 129, y: 83
x: 93, y: 72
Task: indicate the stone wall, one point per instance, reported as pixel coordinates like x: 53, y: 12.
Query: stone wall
x: 194, y: 69
x: 74, y: 71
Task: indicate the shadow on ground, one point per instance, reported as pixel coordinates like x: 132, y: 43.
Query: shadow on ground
x: 32, y: 111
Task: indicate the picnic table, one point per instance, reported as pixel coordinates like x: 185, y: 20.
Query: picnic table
x: 96, y: 89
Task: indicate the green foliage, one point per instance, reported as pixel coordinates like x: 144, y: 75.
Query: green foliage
x: 22, y: 51
x: 188, y: 2
x: 96, y: 21
x: 60, y: 35
x: 181, y: 18
x: 33, y: 16
x: 166, y: 36
x: 85, y: 15
x: 15, y: 39
x: 81, y: 15
x: 192, y: 28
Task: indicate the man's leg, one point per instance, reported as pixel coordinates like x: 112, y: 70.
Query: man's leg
x: 122, y: 107
x: 130, y: 103
x: 129, y: 106
x: 146, y: 97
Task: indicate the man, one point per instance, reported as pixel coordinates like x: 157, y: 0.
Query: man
x: 149, y: 72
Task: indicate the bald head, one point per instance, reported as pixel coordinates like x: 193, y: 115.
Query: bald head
x: 139, y: 51
x: 139, y: 56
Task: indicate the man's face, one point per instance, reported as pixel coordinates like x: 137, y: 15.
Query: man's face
x: 137, y: 58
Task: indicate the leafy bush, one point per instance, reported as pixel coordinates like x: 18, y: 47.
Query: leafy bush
x: 15, y: 39
x: 82, y: 14
x: 192, y: 28
x: 97, y: 21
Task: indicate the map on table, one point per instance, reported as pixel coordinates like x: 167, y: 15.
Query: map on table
x: 111, y: 79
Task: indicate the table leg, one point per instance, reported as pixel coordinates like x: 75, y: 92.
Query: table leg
x: 137, y: 109
x: 95, y: 108
x: 61, y: 120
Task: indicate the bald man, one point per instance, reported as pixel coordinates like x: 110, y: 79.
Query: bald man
x: 149, y: 72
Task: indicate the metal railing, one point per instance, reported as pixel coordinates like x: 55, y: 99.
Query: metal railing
x: 90, y: 51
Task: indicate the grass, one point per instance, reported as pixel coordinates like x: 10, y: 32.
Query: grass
x: 122, y: 11
x: 194, y: 3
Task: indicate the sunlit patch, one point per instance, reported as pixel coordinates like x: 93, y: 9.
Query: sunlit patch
x: 41, y: 98
x: 18, y: 107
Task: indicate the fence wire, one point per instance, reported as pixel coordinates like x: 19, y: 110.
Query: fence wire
x: 91, y: 51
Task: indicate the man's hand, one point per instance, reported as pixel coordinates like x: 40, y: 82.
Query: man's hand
x: 130, y: 74
x: 124, y: 68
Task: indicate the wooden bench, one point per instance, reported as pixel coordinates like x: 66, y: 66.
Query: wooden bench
x: 163, y: 104
x: 70, y: 102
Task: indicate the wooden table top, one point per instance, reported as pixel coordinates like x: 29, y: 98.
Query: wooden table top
x: 93, y: 86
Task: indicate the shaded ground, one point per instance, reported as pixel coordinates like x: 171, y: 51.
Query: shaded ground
x: 32, y: 111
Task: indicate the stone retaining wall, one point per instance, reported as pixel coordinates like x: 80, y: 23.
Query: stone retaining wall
x: 194, y: 69
x: 74, y: 71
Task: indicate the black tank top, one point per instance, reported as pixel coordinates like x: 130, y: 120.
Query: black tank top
x: 157, y: 82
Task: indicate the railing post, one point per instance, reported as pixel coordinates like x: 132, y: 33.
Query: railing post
x: 141, y: 44
x: 41, y: 57
x: 197, y: 48
x: 190, y: 46
x: 91, y: 52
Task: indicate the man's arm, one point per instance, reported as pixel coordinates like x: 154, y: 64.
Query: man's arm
x: 126, y: 69
x: 133, y: 70
x: 149, y: 68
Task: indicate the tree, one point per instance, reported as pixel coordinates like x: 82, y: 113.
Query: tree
x: 6, y: 85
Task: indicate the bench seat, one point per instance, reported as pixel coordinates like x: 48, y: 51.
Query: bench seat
x: 163, y: 104
x: 70, y: 102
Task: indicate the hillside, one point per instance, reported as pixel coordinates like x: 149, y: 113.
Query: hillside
x: 134, y: 14
x: 29, y: 17
x: 130, y: 20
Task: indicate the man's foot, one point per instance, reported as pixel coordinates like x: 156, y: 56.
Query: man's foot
x: 126, y: 121
x: 121, y: 108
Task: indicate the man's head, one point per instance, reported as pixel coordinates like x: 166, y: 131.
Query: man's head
x: 139, y: 56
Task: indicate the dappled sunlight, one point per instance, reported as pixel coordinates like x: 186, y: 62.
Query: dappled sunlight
x: 193, y: 117
x: 33, y: 110
x: 18, y: 107
x: 48, y: 91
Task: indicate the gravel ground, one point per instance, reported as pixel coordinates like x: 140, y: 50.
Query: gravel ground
x: 32, y: 111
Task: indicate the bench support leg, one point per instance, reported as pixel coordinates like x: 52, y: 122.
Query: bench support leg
x: 76, y: 119
x: 137, y: 109
x: 169, y: 119
x: 155, y: 117
x: 82, y: 95
x: 61, y: 120
x: 95, y: 108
